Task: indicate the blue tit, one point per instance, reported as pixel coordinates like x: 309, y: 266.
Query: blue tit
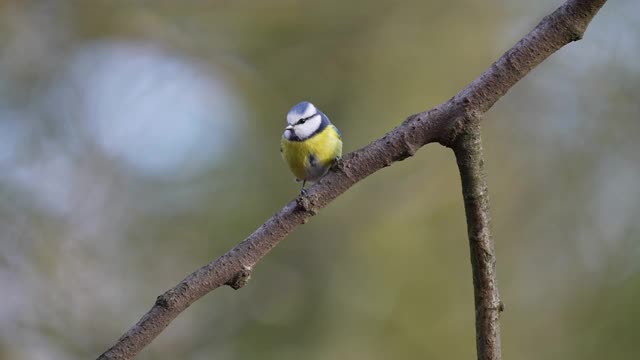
x: 310, y: 143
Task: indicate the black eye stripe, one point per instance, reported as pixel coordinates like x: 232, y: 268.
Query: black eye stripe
x: 301, y: 121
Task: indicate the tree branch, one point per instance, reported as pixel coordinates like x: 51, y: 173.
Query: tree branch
x: 442, y: 124
x: 468, y: 150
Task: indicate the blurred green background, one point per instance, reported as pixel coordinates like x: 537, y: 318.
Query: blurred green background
x: 139, y: 140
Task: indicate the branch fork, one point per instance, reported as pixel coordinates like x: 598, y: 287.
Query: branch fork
x: 454, y: 124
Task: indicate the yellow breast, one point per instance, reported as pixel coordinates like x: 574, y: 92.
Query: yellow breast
x: 311, y: 158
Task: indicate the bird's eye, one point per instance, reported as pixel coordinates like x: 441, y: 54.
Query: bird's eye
x: 301, y: 121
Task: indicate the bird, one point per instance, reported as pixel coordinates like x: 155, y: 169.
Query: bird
x: 310, y: 144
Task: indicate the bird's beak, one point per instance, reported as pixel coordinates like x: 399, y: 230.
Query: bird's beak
x: 289, y: 127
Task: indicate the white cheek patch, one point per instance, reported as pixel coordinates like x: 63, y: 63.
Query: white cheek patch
x: 305, y: 130
x: 292, y: 118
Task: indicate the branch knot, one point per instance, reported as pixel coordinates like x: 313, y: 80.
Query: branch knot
x: 241, y: 278
x: 306, y: 204
x: 167, y: 300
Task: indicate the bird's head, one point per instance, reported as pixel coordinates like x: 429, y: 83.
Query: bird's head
x: 302, y: 121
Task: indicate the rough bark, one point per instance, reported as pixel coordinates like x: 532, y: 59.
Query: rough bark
x: 442, y: 124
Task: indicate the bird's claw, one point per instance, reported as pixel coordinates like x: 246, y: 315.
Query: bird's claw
x: 336, y: 162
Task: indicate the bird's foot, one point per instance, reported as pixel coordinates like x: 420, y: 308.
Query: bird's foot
x: 303, y: 192
x: 337, y: 162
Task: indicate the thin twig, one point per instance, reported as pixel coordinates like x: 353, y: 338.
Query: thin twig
x: 468, y: 150
x: 441, y: 124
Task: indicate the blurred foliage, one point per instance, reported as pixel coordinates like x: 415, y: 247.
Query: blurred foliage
x: 114, y: 188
